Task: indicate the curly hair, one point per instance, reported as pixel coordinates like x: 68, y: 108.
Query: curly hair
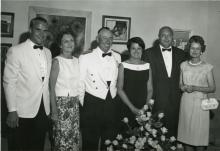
x: 197, y: 39
x: 137, y: 40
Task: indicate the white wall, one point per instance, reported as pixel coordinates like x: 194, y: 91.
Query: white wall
x: 147, y: 17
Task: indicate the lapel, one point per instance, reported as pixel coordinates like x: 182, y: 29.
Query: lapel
x: 160, y: 60
x: 32, y: 56
x: 48, y: 62
x: 99, y: 66
x: 174, y: 63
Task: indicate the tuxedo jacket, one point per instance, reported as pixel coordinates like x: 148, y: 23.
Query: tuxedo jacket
x: 92, y: 79
x: 166, y: 89
x: 22, y: 80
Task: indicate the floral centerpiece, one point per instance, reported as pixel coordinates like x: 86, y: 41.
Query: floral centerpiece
x: 150, y: 134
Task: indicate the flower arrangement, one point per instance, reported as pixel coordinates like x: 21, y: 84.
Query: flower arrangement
x: 149, y: 135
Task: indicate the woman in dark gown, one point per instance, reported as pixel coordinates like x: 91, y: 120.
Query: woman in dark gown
x: 134, y: 82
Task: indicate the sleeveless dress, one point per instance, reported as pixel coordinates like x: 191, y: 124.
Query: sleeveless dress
x: 193, y: 126
x: 135, y: 86
x: 66, y: 132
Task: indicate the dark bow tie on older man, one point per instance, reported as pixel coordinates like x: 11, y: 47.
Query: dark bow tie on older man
x: 166, y: 49
x: 38, y: 47
x: 106, y: 54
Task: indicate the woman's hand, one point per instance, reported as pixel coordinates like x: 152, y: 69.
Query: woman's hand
x: 135, y: 110
x: 189, y: 88
x: 54, y: 115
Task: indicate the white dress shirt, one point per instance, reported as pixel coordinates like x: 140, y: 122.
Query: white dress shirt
x: 167, y: 57
x: 40, y: 55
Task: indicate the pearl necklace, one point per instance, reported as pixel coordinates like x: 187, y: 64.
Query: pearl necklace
x: 195, y: 64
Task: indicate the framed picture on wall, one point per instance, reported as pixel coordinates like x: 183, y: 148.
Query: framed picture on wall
x: 4, y: 49
x: 181, y: 38
x: 7, y: 24
x: 120, y: 26
x: 78, y: 22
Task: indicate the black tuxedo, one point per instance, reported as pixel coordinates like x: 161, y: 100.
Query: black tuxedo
x: 166, y: 89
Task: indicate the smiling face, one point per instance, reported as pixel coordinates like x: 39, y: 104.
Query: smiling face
x: 105, y: 39
x: 166, y: 37
x: 195, y: 50
x: 135, y: 51
x: 38, y: 32
x: 67, y: 43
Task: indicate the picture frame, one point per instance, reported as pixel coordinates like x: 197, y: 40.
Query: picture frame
x: 120, y: 26
x: 7, y: 24
x: 4, y: 50
x: 78, y: 22
x: 181, y: 38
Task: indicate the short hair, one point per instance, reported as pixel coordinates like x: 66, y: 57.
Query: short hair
x: 165, y: 27
x: 104, y: 28
x: 61, y: 34
x: 197, y: 39
x: 37, y: 19
x: 137, y: 40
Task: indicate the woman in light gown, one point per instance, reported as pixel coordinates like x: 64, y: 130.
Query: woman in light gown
x: 64, y: 79
x: 196, y: 81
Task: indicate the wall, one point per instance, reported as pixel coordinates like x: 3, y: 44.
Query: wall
x: 147, y: 17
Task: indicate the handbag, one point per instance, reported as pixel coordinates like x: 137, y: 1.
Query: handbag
x: 209, y: 104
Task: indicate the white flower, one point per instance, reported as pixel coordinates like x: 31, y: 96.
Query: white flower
x: 147, y: 134
x: 125, y: 119
x: 147, y: 127
x: 154, y: 132
x: 125, y: 146
x: 160, y: 115
x: 110, y: 148
x: 142, y: 128
x: 139, y: 145
x: 132, y: 139
x: 145, y: 107
x: 151, y: 101
x: 164, y: 130
x: 115, y: 142
x: 159, y: 148
x: 119, y: 137
x: 172, y: 139
x: 149, y: 114
x: 173, y: 148
x: 163, y: 138
x: 141, y: 112
x: 107, y: 142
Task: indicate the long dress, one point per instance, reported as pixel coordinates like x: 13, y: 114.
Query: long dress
x: 193, y: 126
x: 66, y: 132
x: 135, y: 86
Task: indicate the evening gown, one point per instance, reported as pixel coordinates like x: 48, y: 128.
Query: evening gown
x: 135, y: 86
x: 193, y: 121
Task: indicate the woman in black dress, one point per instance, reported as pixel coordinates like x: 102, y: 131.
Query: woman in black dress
x: 134, y: 82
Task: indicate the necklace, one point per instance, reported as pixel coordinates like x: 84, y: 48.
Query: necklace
x: 195, y: 64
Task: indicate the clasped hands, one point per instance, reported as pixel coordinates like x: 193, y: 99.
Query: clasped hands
x: 188, y: 88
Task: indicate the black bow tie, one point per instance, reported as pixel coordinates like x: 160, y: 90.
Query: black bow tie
x: 166, y: 49
x: 38, y: 47
x: 106, y: 54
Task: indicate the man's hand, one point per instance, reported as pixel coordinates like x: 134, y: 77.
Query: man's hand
x: 12, y: 119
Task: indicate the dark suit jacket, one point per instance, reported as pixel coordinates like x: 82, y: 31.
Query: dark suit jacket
x: 166, y: 90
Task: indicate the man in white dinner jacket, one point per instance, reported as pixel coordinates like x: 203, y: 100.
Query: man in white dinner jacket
x: 98, y: 78
x: 25, y: 82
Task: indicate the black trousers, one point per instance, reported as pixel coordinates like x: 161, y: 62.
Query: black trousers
x: 98, y: 120
x: 30, y: 134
